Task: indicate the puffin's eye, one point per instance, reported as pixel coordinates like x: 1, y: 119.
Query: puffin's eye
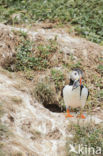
x: 75, y: 73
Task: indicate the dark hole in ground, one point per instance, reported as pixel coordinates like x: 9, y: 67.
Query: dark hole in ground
x: 55, y: 108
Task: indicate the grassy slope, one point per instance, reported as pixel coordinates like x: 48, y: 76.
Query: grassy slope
x: 84, y: 15
x: 42, y: 56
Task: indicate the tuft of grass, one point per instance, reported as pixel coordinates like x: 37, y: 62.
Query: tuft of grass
x: 71, y: 65
x: 2, y: 153
x: 35, y: 134
x: 100, y: 69
x: 44, y: 94
x: 77, y: 65
x: 58, y: 77
x: 1, y: 110
x: 17, y: 154
x: 4, y: 132
x: 29, y: 74
x: 16, y: 99
x: 89, y: 135
x: 100, y: 95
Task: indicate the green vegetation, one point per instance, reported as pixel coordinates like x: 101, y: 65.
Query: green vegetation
x: 1, y: 110
x: 29, y: 74
x: 84, y: 15
x: 100, y: 69
x: 23, y: 58
x: 3, y: 131
x: 100, y: 95
x: 31, y: 56
x: 89, y: 135
x: 85, y: 18
x: 73, y: 65
x: 58, y: 78
x: 17, y: 154
x: 2, y: 153
x: 40, y: 56
x: 100, y: 66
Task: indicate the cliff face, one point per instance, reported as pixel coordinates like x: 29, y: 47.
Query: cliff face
x: 35, y: 130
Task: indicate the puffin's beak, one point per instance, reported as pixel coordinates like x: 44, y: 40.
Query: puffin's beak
x: 80, y: 81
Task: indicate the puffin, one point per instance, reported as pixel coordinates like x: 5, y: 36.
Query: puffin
x: 75, y: 93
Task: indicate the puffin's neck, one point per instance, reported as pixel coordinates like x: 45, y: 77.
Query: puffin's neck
x: 71, y: 82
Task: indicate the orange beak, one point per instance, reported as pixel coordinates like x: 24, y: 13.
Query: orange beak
x: 80, y: 81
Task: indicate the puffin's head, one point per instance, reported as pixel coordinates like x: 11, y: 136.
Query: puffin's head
x: 76, y: 76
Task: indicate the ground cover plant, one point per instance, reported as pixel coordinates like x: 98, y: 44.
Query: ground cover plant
x: 85, y: 16
x: 32, y: 56
x: 86, y: 136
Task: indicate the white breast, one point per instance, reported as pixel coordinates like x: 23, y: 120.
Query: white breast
x: 72, y: 98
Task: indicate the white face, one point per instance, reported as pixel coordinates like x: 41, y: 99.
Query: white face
x: 74, y: 75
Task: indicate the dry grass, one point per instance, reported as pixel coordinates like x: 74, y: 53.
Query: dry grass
x: 4, y: 132
x: 16, y: 99
x: 48, y: 56
x: 45, y: 94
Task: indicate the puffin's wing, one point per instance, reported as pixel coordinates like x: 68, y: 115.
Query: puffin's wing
x: 84, y: 95
x: 62, y: 92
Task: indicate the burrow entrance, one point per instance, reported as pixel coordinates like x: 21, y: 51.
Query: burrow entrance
x: 55, y: 108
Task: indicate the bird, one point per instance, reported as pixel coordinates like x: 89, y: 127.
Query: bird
x: 75, y: 93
